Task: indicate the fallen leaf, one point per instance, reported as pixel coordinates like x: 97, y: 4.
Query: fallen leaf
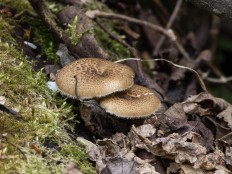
x: 226, y: 115
x: 222, y: 170
x: 119, y: 166
x: 228, y: 155
x: 71, y: 168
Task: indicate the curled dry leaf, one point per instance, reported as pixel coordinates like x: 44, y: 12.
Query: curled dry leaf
x: 146, y: 130
x: 222, y: 170
x: 213, y: 159
x: 228, y: 155
x: 144, y: 167
x: 119, y: 166
x: 226, y: 115
x: 206, y: 104
x: 173, y: 118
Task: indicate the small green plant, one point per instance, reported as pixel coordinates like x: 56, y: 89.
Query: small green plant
x: 71, y: 30
x: 115, y: 48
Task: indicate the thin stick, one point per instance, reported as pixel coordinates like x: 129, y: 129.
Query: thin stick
x: 132, y: 49
x: 214, y: 32
x: 10, y: 111
x: 222, y: 80
x: 169, y: 24
x: 176, y: 65
x: 168, y: 33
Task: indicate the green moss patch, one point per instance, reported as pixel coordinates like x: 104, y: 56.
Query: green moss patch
x: 37, y: 143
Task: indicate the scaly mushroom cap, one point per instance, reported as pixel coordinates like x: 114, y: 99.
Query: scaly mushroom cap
x: 95, y: 78
x: 136, y: 102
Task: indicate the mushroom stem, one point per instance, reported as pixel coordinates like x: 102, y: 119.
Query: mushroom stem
x: 76, y: 93
x: 86, y: 102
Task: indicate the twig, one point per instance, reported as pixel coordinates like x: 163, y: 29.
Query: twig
x: 214, y: 31
x: 25, y: 157
x: 222, y: 79
x: 190, y: 69
x: 176, y: 65
x: 132, y: 49
x: 216, y: 71
x: 10, y: 111
x: 159, y: 9
x: 168, y: 33
x: 206, y: 57
x: 169, y: 24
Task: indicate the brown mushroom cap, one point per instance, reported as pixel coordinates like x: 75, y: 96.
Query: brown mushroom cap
x: 95, y: 78
x: 136, y: 102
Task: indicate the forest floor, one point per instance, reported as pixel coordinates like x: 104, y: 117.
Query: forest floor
x: 185, y: 56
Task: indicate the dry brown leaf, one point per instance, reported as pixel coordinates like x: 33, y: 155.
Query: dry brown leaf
x: 212, y: 160
x: 144, y: 167
x: 187, y: 169
x: 226, y: 115
x: 207, y: 102
x: 228, y: 155
x: 119, y: 166
x: 146, y: 130
x: 173, y: 118
x: 222, y: 170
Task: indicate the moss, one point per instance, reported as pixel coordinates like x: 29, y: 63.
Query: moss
x: 116, y: 49
x: 113, y: 47
x: 36, y: 164
x: 71, y: 30
x: 40, y: 35
x: 18, y: 5
x: 37, y: 32
x: 5, y: 29
x: 44, y: 117
x: 78, y: 155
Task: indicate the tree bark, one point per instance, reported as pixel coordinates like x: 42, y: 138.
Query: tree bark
x: 221, y: 8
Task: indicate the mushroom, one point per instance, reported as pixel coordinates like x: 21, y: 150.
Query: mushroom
x: 88, y: 78
x: 136, y: 102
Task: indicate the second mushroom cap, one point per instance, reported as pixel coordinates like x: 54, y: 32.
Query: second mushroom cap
x: 94, y: 78
x: 136, y: 102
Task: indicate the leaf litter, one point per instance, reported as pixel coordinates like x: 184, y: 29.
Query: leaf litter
x: 193, y: 136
